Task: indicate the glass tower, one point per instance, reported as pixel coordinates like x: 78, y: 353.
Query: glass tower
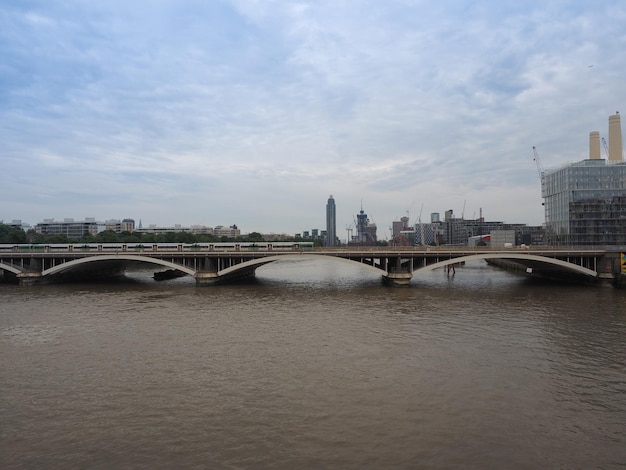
x: 331, y: 222
x: 585, y: 203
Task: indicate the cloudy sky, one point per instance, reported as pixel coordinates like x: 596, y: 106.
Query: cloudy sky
x: 253, y: 112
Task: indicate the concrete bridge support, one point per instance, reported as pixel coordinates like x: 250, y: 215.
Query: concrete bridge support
x: 204, y: 278
x: 398, y: 279
x: 399, y: 271
x: 28, y: 279
x: 207, y: 279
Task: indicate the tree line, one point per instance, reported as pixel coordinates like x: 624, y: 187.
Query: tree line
x: 12, y: 234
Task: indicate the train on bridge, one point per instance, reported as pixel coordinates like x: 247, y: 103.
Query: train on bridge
x: 155, y: 247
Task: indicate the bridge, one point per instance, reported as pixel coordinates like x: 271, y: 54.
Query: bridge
x: 216, y: 263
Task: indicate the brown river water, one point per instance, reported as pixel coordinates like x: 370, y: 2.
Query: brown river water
x: 316, y: 364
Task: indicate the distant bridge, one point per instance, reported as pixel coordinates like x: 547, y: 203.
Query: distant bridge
x: 213, y: 263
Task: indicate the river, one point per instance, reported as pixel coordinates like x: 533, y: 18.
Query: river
x: 316, y: 364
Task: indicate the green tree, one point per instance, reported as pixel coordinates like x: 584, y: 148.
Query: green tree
x: 169, y: 237
x: 57, y: 238
x: 205, y: 238
x: 89, y: 238
x: 38, y: 238
x: 128, y: 237
x: 148, y: 238
x: 185, y: 237
x: 255, y: 237
x: 107, y: 236
x: 10, y: 234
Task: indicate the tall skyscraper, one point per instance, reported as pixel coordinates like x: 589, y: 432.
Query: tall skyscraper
x: 331, y: 222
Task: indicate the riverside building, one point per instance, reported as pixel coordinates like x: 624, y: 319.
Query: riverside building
x: 71, y: 228
x: 585, y: 202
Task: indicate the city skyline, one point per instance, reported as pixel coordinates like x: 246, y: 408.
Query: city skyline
x: 315, y: 232
x: 252, y: 113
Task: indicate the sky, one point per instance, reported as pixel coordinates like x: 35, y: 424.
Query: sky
x: 254, y: 112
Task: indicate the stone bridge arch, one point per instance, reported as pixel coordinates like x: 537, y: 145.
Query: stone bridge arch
x: 519, y: 257
x: 69, y: 265
x: 258, y: 262
x: 12, y: 269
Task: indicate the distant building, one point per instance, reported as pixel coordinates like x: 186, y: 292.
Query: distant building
x: 502, y: 238
x: 202, y: 230
x: 70, y: 228
x: 331, y: 222
x: 16, y: 223
x: 128, y: 225
x: 314, y: 234
x: 275, y: 237
x: 397, y: 226
x: 230, y: 232
x: 454, y: 230
x: 157, y: 230
x: 462, y: 232
x: 585, y: 202
x: 117, y: 226
x: 218, y: 231
x: 365, y: 230
x: 428, y: 234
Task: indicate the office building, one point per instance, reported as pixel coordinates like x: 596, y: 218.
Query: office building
x: 70, y: 228
x: 585, y: 202
x: 119, y: 226
x: 331, y: 222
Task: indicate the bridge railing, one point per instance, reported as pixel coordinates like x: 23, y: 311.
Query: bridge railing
x: 281, y: 247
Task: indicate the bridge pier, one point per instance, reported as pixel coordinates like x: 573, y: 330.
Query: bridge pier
x: 28, y: 279
x: 402, y: 279
x: 204, y: 278
x: 207, y: 279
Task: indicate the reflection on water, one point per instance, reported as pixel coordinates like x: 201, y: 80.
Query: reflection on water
x: 315, y: 364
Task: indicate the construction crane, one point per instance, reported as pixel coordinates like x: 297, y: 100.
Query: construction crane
x: 538, y: 163
x: 349, y: 229
x: 539, y: 171
x: 606, y: 147
x: 420, y: 226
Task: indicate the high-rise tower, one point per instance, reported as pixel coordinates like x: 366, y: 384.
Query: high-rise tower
x: 331, y: 222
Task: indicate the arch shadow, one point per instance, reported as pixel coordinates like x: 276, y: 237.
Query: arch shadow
x: 258, y: 262
x: 69, y: 265
x: 513, y: 256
